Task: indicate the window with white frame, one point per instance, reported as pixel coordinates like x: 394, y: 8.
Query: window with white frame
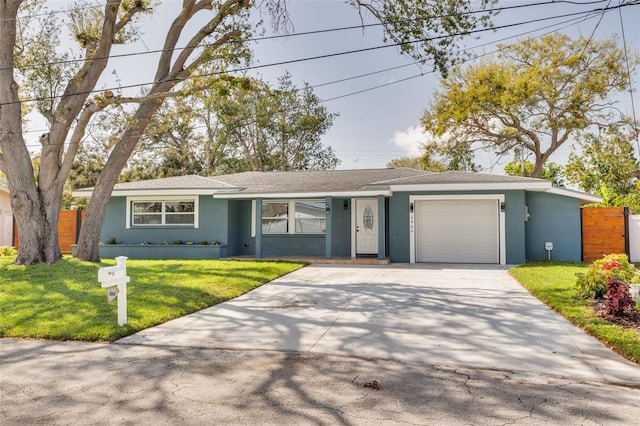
x: 177, y: 212
x: 275, y: 218
x: 289, y: 217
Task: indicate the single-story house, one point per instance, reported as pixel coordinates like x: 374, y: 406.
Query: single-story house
x: 6, y: 217
x: 402, y: 215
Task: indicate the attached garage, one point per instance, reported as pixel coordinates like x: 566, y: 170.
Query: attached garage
x: 463, y: 230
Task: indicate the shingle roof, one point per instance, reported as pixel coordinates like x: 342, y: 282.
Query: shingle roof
x: 252, y: 184
x: 316, y: 181
x: 177, y: 182
x: 326, y: 181
x: 458, y: 177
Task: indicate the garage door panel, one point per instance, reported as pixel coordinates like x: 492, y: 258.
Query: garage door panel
x: 460, y: 231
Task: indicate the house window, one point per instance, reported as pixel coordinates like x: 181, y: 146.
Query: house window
x: 163, y: 213
x: 311, y: 217
x: 289, y: 217
x: 275, y: 218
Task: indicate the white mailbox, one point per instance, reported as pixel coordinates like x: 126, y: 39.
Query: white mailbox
x: 111, y: 276
x: 116, y: 276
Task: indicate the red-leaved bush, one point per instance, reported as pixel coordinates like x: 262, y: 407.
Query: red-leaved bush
x: 610, y: 265
x: 618, y: 297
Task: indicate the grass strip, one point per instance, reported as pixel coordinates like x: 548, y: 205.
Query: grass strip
x: 554, y: 284
x: 64, y: 301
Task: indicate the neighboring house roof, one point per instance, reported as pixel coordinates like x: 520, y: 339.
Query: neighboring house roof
x: 366, y: 182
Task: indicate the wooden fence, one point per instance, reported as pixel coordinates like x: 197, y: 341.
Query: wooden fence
x: 604, y: 231
x: 68, y: 229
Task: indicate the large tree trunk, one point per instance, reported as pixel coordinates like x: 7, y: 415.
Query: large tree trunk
x: 88, y: 241
x: 34, y: 227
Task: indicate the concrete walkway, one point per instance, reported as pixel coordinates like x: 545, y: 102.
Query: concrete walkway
x: 447, y: 315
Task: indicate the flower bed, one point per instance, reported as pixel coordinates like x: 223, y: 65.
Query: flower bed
x: 161, y: 251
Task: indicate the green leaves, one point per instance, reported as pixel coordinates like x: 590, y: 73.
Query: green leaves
x: 536, y: 95
x: 429, y: 29
x: 606, y: 164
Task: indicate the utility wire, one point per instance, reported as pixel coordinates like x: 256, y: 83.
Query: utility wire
x: 325, y: 56
x: 314, y: 32
x: 633, y: 107
x: 569, y: 23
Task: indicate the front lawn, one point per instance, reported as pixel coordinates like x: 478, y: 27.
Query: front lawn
x: 65, y: 301
x: 554, y: 284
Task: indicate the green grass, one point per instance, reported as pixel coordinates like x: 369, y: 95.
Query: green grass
x: 554, y: 284
x: 65, y: 301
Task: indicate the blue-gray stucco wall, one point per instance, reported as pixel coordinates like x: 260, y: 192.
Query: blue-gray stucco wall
x: 398, y: 220
x: 341, y: 227
x: 241, y: 243
x: 213, y: 221
x: 553, y: 218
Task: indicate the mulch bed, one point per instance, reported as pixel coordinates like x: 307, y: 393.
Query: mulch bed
x: 629, y: 321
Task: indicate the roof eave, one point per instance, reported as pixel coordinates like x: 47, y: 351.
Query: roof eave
x: 153, y: 192
x: 310, y: 194
x: 479, y: 186
x: 582, y: 196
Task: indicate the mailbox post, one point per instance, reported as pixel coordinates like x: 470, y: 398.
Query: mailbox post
x: 116, y: 276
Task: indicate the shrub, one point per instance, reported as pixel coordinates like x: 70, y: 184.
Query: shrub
x: 618, y: 297
x: 594, y: 283
x: 8, y: 251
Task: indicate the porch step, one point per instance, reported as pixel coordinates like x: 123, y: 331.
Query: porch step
x: 321, y: 260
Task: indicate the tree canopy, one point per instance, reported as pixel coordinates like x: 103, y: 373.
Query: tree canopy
x: 606, y: 164
x: 534, y: 96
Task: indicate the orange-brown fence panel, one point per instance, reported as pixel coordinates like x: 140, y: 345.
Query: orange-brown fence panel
x: 603, y: 232
x: 68, y: 228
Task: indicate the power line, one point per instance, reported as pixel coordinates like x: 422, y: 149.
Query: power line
x: 569, y: 23
x: 626, y: 58
x: 315, y: 32
x: 325, y: 56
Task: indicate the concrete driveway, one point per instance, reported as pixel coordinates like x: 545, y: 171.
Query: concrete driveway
x: 451, y: 315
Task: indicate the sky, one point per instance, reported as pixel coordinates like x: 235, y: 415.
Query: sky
x: 379, y: 114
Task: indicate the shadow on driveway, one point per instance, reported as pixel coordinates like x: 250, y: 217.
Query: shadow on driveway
x: 445, y: 315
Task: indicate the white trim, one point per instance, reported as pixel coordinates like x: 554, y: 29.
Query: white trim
x: 574, y: 194
x: 488, y: 186
x: 502, y: 254
x: 253, y: 218
x: 305, y: 195
x: 150, y: 192
x: 291, y: 216
x: 353, y: 227
x: 196, y: 209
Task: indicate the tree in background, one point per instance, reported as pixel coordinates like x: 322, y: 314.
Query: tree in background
x: 535, y: 96
x: 236, y: 125
x: 63, y: 86
x: 441, y: 157
x: 606, y: 165
x: 263, y: 128
x: 550, y: 171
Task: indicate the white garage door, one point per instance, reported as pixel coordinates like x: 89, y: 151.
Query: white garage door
x: 457, y: 231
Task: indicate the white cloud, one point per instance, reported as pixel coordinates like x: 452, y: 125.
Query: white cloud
x: 410, y: 141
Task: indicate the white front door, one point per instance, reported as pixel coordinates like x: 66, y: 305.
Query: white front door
x: 366, y: 222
